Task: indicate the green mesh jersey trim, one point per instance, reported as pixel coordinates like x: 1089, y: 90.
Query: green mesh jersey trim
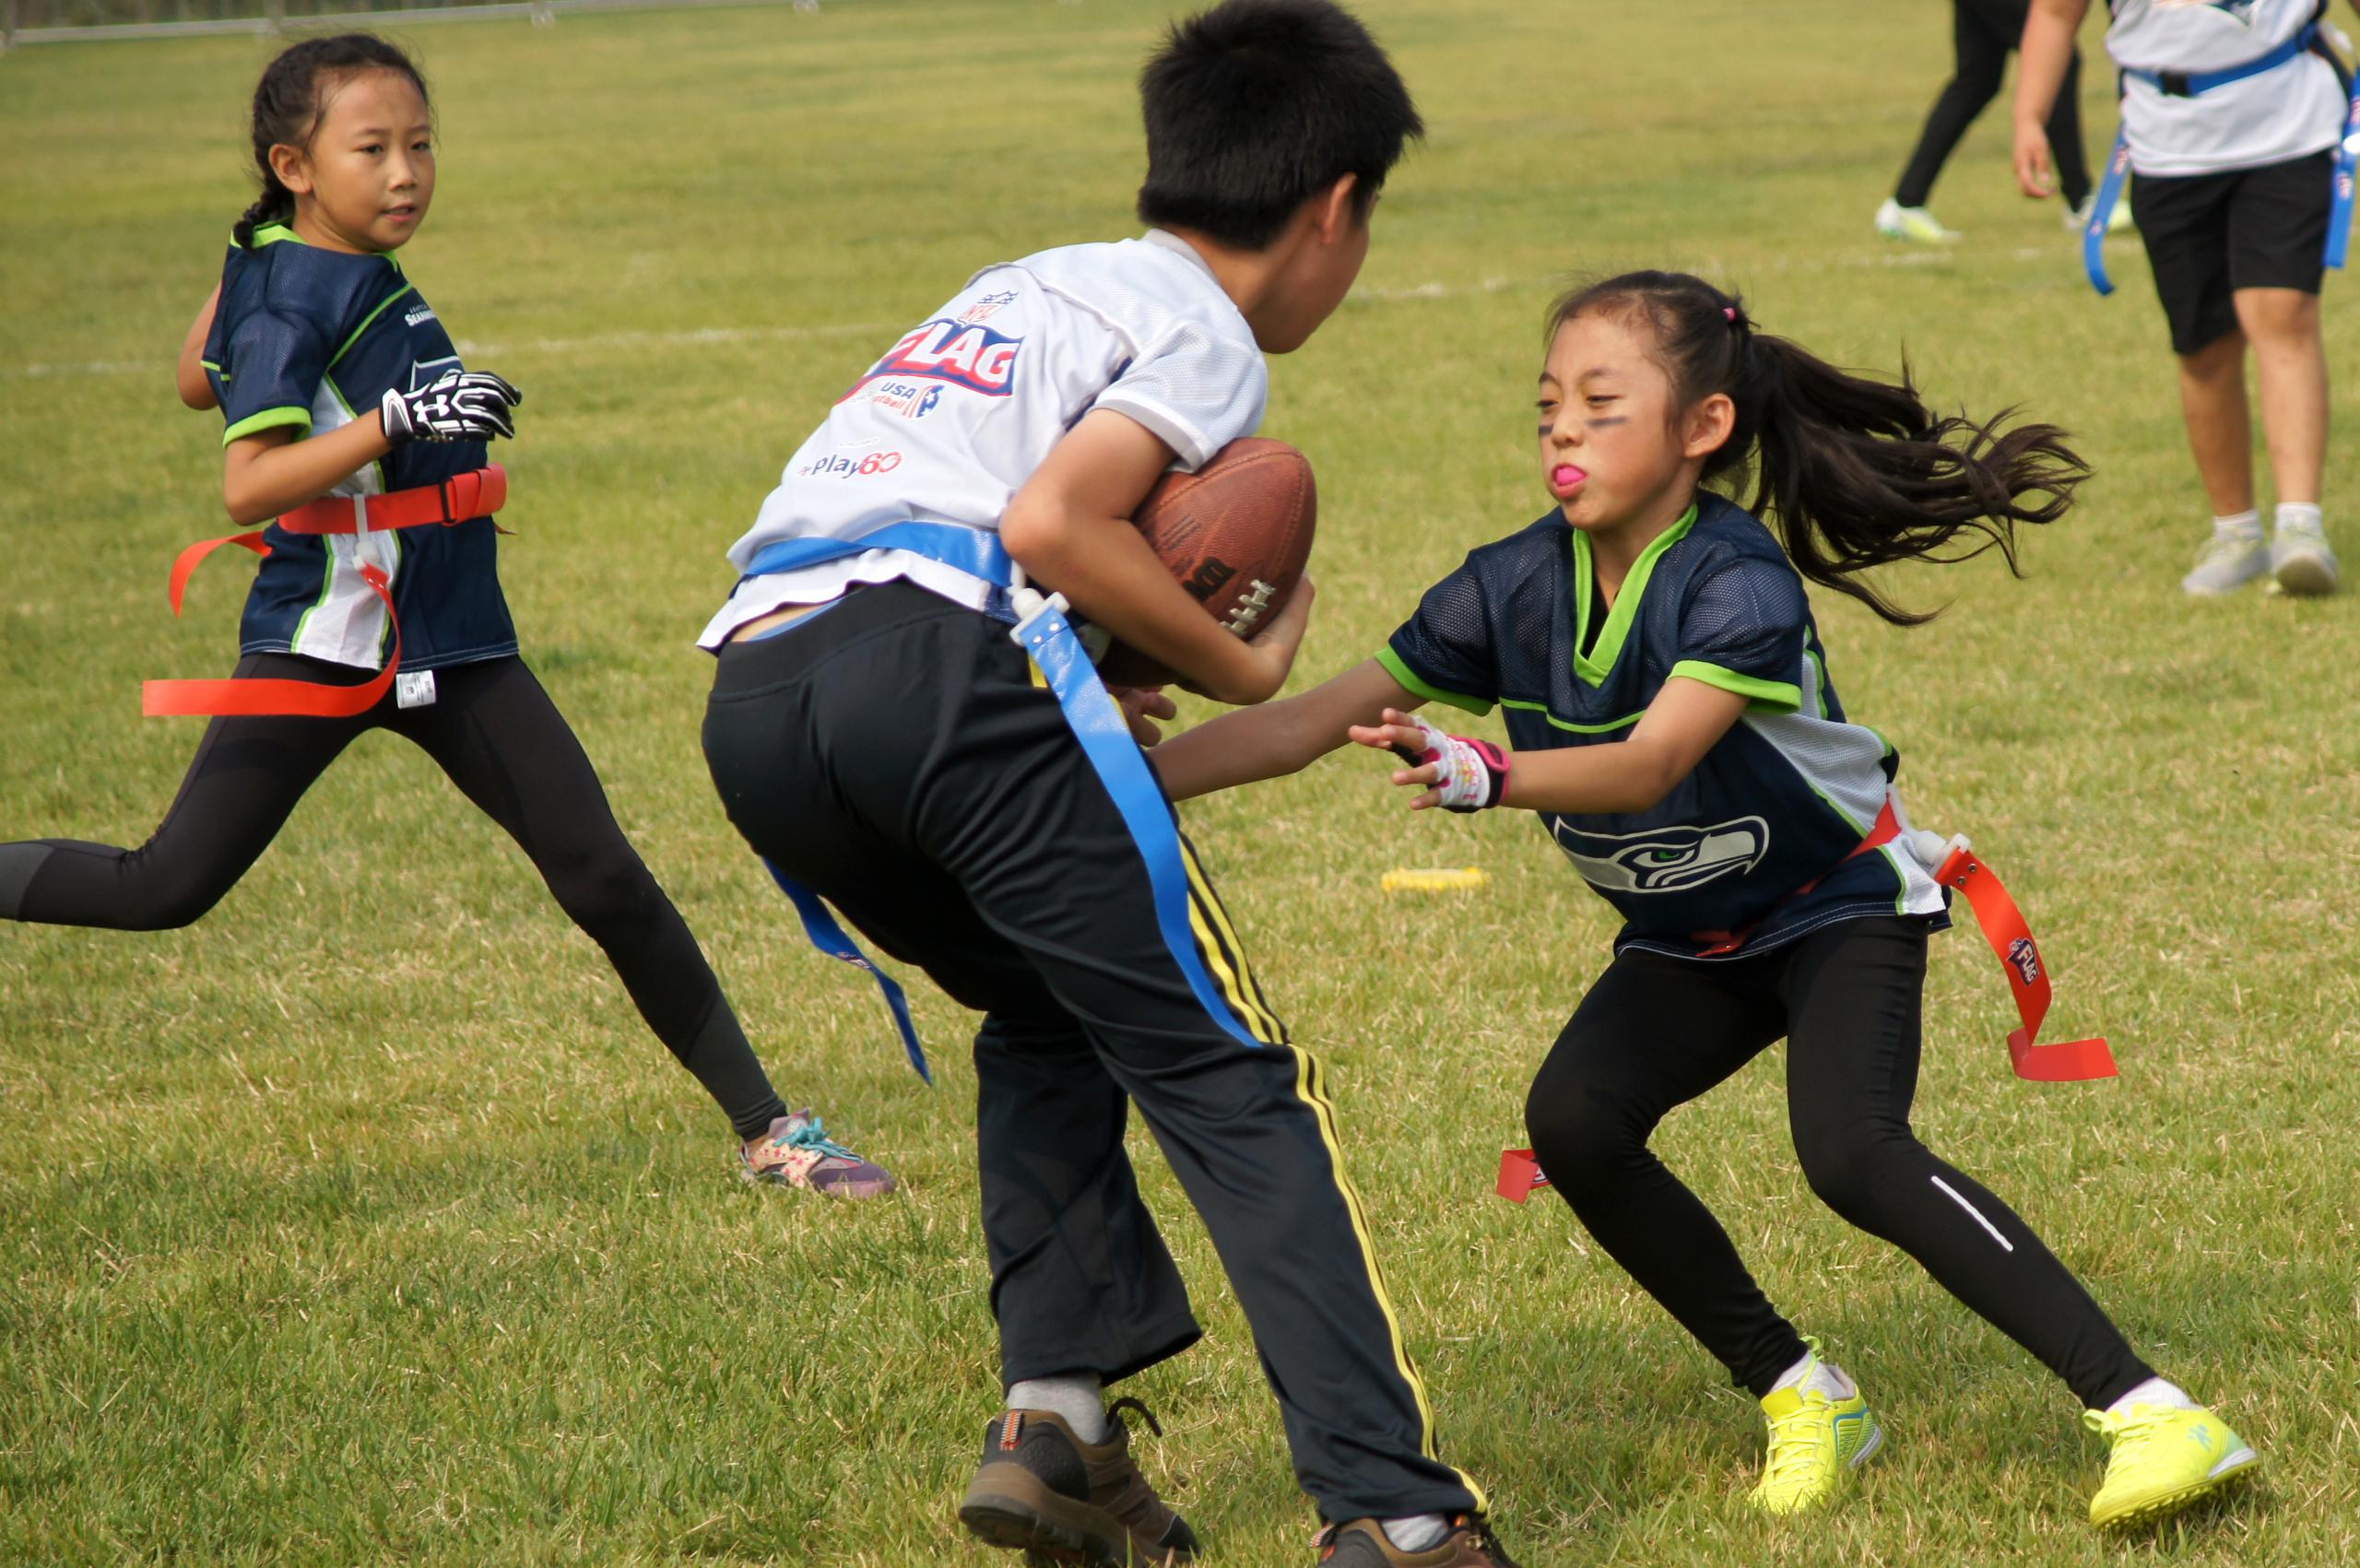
x: 1411, y: 681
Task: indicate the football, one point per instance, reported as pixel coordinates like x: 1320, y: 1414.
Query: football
x: 1236, y: 534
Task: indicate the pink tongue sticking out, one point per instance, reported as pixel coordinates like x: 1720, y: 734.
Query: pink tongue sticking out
x: 1566, y: 474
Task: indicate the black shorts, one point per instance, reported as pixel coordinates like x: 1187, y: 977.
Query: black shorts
x: 2210, y: 235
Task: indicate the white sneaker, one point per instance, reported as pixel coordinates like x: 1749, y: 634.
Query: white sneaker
x: 2300, y: 560
x: 2229, y: 562
x: 2117, y: 222
x: 1896, y: 221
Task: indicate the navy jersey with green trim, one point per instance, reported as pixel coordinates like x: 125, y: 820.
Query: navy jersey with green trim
x: 308, y: 339
x: 1779, y: 801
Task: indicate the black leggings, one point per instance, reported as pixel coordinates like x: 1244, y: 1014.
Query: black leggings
x: 502, y: 740
x: 1655, y: 1032
x: 1982, y: 34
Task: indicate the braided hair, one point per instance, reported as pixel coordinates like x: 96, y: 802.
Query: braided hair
x: 288, y: 104
x: 1853, y: 472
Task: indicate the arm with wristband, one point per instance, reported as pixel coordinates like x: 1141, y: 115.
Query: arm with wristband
x: 271, y: 360
x: 269, y: 472
x: 1460, y: 774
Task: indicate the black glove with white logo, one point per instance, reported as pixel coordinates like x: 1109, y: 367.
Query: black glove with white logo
x: 461, y: 405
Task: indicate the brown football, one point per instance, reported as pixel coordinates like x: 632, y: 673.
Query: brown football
x: 1236, y: 534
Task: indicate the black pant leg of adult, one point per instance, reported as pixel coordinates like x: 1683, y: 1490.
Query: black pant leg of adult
x: 495, y: 732
x: 1652, y: 1034
x: 2066, y: 153
x: 1980, y: 39
x: 1853, y: 994
x: 244, y: 780
x: 932, y: 729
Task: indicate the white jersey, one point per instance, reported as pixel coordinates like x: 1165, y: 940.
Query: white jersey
x: 959, y: 413
x: 2290, y: 112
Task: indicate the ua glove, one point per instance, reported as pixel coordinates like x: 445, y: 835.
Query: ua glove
x: 1469, y: 774
x: 460, y: 405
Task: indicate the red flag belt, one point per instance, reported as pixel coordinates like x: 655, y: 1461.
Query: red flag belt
x: 462, y: 498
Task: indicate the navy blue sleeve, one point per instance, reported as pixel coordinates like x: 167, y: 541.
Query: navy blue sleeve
x: 1443, y: 651
x: 1743, y: 628
x: 266, y: 358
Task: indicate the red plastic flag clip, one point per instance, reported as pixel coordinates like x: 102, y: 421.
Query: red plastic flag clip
x: 2064, y: 1061
x: 1521, y: 1174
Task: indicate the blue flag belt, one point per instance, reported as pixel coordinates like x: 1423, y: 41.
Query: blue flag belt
x: 2188, y: 84
x: 1043, y: 630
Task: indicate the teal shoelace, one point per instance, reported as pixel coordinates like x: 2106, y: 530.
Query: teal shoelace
x: 813, y: 1136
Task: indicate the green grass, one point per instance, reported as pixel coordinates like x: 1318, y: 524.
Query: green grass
x: 363, y: 1221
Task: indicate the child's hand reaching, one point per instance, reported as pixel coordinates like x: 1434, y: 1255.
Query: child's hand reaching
x: 1455, y: 771
x: 1142, y: 705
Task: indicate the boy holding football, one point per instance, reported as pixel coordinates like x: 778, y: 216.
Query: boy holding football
x: 974, y: 808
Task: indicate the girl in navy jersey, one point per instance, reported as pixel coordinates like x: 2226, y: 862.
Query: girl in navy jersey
x: 352, y: 423
x: 1678, y: 734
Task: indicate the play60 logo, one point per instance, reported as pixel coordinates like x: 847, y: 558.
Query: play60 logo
x: 851, y: 466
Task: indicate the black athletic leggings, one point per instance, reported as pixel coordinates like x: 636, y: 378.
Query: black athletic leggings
x: 1656, y: 1031
x: 502, y: 740
x: 1983, y: 33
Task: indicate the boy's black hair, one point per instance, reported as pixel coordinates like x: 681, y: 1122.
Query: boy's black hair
x: 289, y: 106
x: 1255, y: 105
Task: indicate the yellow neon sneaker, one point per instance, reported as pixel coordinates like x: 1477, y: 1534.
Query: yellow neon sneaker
x: 1817, y: 1442
x: 2163, y: 1458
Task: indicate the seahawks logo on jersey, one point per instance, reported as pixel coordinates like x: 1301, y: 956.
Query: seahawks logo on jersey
x: 1669, y: 860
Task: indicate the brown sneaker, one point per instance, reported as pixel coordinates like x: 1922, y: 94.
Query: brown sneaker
x: 1044, y: 1490
x: 1363, y: 1543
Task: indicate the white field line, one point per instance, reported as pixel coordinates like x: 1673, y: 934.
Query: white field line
x: 600, y: 343
x: 706, y: 336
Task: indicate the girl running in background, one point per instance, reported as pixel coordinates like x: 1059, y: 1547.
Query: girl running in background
x: 337, y: 381
x: 1678, y: 731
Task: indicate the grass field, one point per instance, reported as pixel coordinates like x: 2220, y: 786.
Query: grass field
x: 364, y: 1222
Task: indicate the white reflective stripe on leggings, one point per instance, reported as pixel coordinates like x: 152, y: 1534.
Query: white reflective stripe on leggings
x: 1976, y: 1214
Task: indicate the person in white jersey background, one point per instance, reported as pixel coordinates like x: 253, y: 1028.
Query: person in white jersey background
x: 2232, y: 111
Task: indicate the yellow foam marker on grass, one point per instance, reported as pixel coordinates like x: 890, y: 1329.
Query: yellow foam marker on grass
x: 1442, y: 880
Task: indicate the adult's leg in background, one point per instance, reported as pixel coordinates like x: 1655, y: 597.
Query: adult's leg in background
x: 1979, y: 43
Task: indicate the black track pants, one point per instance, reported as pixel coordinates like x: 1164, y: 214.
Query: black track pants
x: 1983, y: 33
x: 894, y: 754
x: 495, y: 732
x: 1655, y: 1032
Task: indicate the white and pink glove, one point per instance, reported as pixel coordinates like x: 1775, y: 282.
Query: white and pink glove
x: 1469, y: 774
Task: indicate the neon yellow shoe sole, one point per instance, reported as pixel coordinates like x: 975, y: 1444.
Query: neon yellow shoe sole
x: 2164, y: 1460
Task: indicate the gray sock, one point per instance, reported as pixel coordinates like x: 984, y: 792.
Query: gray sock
x: 1418, y: 1532
x: 18, y: 864
x: 1078, y: 1400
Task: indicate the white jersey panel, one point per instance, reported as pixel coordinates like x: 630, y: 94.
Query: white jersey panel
x: 2290, y: 112
x: 952, y: 420
x: 347, y: 625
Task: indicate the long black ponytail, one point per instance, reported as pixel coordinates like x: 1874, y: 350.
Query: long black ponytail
x: 289, y: 102
x: 1853, y: 472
